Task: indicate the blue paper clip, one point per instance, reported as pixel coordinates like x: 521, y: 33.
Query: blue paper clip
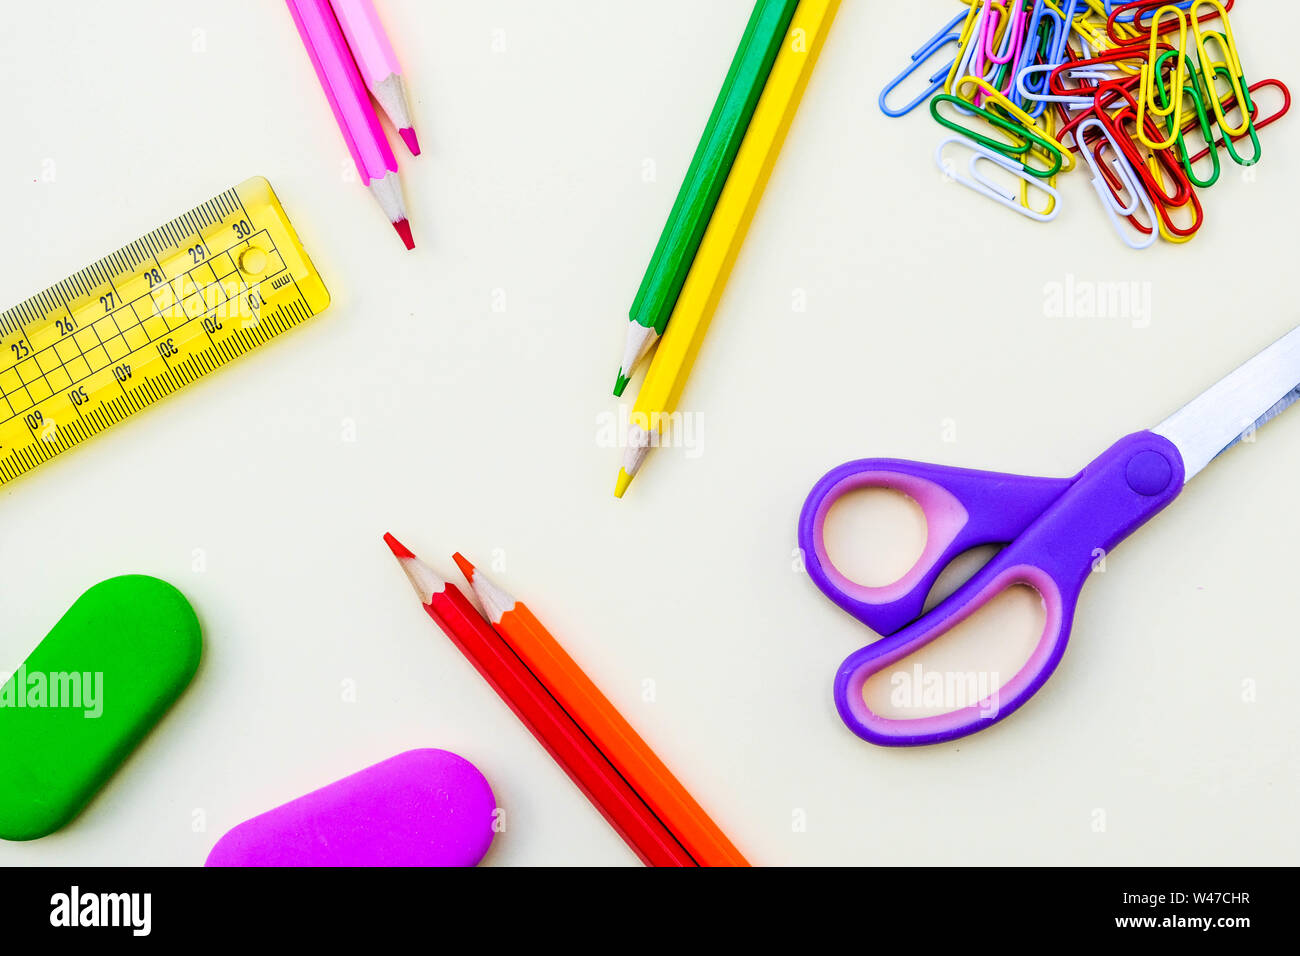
x: 986, y: 187
x: 1052, y: 54
x: 949, y: 34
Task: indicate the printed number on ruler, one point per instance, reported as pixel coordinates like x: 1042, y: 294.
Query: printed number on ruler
x: 147, y: 320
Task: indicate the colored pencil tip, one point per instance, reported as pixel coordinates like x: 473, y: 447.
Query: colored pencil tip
x: 466, y: 568
x: 404, y: 230
x: 423, y: 578
x: 408, y: 137
x: 624, y: 479
x: 399, y: 550
x: 620, y: 384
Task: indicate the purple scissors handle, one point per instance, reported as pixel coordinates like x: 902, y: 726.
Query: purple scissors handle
x: 963, y: 510
x: 1053, y: 530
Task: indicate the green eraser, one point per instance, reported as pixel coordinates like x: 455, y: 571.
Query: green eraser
x: 87, y: 695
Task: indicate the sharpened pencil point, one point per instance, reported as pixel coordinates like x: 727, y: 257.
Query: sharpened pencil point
x: 466, y: 568
x: 640, y: 340
x: 423, y: 578
x: 399, y: 550
x: 408, y: 137
x: 404, y: 230
x: 624, y: 479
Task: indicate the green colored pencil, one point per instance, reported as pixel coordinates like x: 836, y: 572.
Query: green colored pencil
x: 705, y: 178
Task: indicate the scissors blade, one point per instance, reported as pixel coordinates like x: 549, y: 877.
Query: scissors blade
x: 1253, y: 395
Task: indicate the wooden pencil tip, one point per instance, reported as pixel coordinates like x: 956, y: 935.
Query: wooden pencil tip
x: 620, y: 385
x: 423, y: 578
x: 624, y: 480
x: 399, y: 550
x: 466, y: 568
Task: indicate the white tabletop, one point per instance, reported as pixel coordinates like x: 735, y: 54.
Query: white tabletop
x: 458, y: 396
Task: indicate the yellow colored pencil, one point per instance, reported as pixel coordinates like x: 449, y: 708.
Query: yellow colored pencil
x: 726, y: 232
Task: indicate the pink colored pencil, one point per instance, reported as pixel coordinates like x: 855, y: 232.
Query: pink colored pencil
x: 378, y: 64
x: 347, y: 96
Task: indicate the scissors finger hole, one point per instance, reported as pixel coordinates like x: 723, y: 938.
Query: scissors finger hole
x: 874, y: 536
x: 966, y: 667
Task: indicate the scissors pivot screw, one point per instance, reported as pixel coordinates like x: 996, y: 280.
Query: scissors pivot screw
x: 1149, y: 473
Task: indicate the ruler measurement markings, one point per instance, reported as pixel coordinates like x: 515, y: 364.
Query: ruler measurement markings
x: 157, y: 314
x: 197, y: 230
x: 168, y: 238
x: 212, y: 314
x: 18, y: 357
x: 115, y: 274
x: 109, y: 279
x: 103, y: 342
x: 205, y: 246
x: 33, y: 361
x: 302, y: 297
x: 50, y: 305
x: 238, y: 199
x: 144, y: 329
x: 115, y: 412
x: 240, y: 292
x: 162, y: 271
x: 121, y: 332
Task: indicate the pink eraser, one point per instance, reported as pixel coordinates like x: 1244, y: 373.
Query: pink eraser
x: 420, y: 808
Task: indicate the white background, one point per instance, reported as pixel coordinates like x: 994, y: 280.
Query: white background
x: 478, y: 430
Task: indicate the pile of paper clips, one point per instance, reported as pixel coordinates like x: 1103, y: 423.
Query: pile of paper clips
x: 1147, y: 93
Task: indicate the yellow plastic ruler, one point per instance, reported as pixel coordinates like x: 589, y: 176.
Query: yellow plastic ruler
x: 139, y: 324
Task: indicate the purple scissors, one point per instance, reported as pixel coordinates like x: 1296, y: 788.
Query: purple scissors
x: 1052, y: 530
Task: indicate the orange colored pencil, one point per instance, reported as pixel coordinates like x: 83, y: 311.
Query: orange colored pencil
x: 600, y: 721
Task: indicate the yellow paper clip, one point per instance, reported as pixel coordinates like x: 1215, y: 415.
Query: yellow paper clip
x: 1049, y: 122
x: 970, y: 29
x: 1233, y: 64
x: 1150, y: 82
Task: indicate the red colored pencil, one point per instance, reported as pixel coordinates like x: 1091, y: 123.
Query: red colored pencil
x: 554, y: 729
